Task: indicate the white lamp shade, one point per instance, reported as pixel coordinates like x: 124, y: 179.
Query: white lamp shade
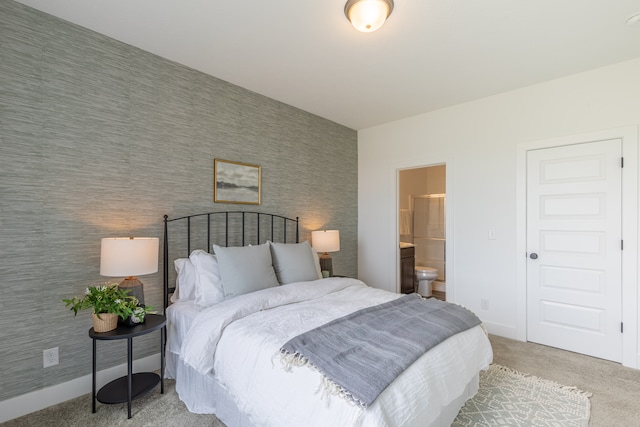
x: 325, y: 240
x: 128, y: 256
x: 368, y: 15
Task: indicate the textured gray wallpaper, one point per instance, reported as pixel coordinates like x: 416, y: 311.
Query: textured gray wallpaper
x: 100, y: 139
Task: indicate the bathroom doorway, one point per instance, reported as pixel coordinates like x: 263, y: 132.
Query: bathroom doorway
x: 422, y: 212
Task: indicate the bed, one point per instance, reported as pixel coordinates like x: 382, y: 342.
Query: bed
x: 228, y: 325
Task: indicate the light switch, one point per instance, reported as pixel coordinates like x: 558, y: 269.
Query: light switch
x: 492, y: 234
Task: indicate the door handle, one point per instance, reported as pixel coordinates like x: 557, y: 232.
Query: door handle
x: 533, y: 255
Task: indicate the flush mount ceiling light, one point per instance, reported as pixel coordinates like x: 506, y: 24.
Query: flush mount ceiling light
x: 368, y: 15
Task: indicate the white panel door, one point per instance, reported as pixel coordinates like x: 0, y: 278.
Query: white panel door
x: 574, y: 229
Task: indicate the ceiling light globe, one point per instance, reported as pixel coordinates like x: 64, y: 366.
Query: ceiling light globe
x: 368, y: 15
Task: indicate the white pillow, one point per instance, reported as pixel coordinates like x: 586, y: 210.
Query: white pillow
x: 245, y: 269
x: 208, y: 282
x: 185, y: 280
x: 294, y: 262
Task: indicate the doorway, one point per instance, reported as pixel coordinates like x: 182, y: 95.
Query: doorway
x: 563, y: 299
x: 422, y: 226
x: 574, y: 230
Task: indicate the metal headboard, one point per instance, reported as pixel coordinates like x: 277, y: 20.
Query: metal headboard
x: 226, y: 228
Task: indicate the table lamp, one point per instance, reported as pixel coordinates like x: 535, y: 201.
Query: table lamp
x: 129, y: 257
x: 326, y: 241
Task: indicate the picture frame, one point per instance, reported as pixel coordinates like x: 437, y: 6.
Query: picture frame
x: 236, y: 182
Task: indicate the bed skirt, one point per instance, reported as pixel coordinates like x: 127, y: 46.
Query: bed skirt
x: 204, y: 395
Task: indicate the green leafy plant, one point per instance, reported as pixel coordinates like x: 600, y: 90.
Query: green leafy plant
x: 106, y: 298
x: 138, y: 312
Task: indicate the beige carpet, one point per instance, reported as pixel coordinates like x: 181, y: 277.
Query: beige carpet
x: 615, y: 400
x: 154, y: 409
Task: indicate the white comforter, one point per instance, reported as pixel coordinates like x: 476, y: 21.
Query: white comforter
x: 239, y: 340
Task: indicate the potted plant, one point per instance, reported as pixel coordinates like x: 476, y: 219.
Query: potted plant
x: 107, y: 301
x: 138, y: 312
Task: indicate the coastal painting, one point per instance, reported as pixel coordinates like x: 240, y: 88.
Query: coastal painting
x: 236, y: 182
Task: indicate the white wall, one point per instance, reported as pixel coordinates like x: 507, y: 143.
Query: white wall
x: 478, y: 142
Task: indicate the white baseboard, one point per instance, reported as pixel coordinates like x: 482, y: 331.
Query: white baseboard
x: 49, y: 396
x: 501, y: 330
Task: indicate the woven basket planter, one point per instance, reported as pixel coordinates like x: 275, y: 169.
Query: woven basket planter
x: 105, y: 323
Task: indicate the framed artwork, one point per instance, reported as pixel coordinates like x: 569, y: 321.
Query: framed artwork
x: 235, y: 182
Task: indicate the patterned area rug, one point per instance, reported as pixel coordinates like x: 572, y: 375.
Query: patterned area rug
x: 511, y: 398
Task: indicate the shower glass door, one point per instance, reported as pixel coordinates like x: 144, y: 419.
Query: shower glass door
x: 429, y: 231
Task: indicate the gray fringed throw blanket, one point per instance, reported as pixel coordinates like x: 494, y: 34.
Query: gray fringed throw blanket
x: 362, y: 353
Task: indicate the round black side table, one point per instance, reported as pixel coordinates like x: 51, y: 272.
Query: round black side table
x: 131, y: 386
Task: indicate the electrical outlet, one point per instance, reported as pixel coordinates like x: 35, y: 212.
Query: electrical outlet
x: 484, y: 304
x: 50, y: 357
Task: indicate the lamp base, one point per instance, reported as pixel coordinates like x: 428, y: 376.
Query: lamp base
x: 134, y: 286
x: 326, y: 264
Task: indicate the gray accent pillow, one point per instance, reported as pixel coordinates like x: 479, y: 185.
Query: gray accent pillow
x: 294, y: 262
x: 245, y: 269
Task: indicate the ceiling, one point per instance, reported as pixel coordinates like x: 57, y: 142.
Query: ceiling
x: 430, y: 54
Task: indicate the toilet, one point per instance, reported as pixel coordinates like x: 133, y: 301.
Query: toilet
x: 424, y: 277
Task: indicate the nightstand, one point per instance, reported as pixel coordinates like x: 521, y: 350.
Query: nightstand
x: 131, y: 386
